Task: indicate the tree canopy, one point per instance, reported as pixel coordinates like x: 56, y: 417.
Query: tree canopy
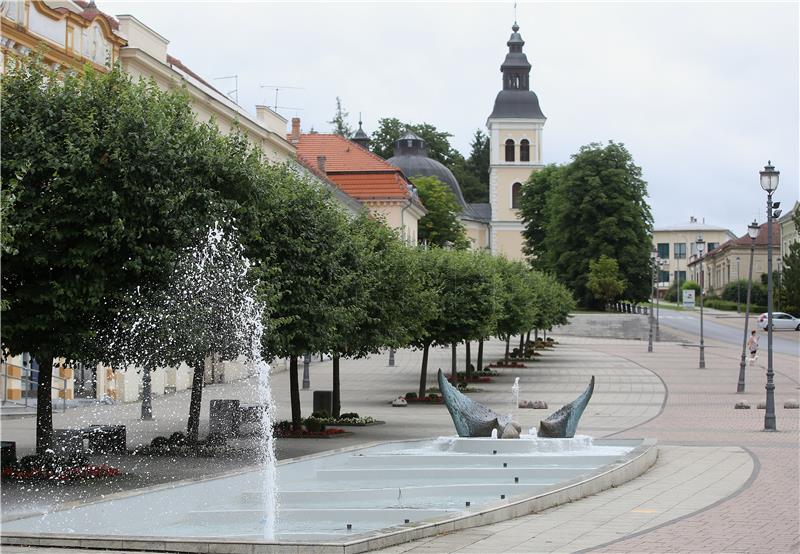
x: 339, y: 122
x: 595, y: 205
x: 604, y: 281
x: 440, y: 226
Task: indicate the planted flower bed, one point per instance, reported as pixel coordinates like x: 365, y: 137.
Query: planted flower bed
x: 349, y: 419
x: 54, y: 468
x: 313, y: 428
x: 412, y: 398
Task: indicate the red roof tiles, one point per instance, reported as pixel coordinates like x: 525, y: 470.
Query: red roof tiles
x: 358, y: 172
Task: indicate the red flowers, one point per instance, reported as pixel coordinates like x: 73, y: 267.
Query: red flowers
x: 61, y: 474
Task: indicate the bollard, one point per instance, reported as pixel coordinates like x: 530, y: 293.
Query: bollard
x: 467, y: 503
x: 502, y: 497
x: 516, y: 479
x: 349, y: 526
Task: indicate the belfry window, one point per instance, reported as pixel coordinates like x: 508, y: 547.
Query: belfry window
x: 524, y: 150
x: 516, y: 195
x: 509, y: 150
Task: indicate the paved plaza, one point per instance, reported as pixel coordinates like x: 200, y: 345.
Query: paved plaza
x: 720, y: 484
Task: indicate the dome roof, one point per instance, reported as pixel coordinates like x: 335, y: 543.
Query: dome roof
x: 517, y: 103
x: 413, y: 165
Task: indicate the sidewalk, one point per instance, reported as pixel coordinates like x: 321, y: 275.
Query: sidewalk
x: 719, y: 484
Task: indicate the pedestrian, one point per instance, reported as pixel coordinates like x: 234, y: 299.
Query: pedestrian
x: 752, y: 345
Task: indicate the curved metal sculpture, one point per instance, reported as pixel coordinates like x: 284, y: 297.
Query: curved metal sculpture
x: 563, y: 423
x: 470, y: 418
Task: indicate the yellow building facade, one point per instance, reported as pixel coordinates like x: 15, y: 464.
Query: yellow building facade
x: 515, y: 140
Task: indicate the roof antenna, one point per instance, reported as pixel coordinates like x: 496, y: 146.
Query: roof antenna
x: 515, y: 12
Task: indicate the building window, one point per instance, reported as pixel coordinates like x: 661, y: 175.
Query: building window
x: 663, y: 250
x: 516, y: 195
x: 509, y: 150
x: 524, y: 150
x: 680, y: 250
x: 680, y: 276
x: 663, y: 276
x: 712, y: 246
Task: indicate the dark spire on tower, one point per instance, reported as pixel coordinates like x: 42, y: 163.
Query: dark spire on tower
x: 516, y: 100
x: 360, y: 137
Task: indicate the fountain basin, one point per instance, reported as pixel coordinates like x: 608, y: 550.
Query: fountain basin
x: 388, y: 493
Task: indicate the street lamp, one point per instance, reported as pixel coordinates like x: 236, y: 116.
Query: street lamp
x: 661, y: 264
x: 653, y: 258
x: 752, y: 232
x: 738, y: 287
x: 769, y: 182
x: 700, y: 244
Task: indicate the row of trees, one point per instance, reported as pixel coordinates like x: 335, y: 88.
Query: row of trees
x: 592, y: 207
x: 108, y: 183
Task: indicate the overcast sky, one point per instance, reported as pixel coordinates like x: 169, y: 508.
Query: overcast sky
x: 701, y: 94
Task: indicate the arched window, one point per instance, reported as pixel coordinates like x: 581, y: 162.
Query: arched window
x: 524, y: 150
x: 509, y: 150
x: 516, y: 195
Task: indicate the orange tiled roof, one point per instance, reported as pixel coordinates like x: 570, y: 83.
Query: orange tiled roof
x: 356, y: 171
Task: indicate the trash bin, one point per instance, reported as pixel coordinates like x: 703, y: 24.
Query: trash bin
x: 68, y: 442
x: 9, y: 453
x: 107, y: 439
x: 323, y: 401
x: 224, y: 417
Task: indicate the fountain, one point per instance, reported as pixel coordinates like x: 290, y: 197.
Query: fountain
x: 359, y: 498
x: 515, y: 396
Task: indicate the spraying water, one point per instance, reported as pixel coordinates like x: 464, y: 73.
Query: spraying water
x: 515, y: 397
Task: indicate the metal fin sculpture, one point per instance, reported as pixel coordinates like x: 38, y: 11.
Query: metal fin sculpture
x: 563, y: 423
x: 470, y: 418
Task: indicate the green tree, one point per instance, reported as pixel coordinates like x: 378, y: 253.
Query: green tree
x: 597, y: 205
x: 110, y: 180
x: 533, y: 210
x: 464, y: 285
x: 340, y: 125
x: 303, y: 234
x: 518, y: 311
x: 604, y: 280
x: 473, y: 172
x: 383, y: 293
x: 440, y: 226
x: 790, y: 278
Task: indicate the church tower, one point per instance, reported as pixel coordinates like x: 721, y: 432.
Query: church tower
x: 515, y: 142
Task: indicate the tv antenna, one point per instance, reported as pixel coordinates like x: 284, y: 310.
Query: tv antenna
x: 235, y: 91
x: 275, y: 107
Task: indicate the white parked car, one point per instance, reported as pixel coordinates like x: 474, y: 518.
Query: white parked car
x: 780, y: 320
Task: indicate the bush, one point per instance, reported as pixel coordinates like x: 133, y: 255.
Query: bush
x: 322, y: 414
x: 433, y: 396
x: 314, y: 425
x: 349, y: 415
x: 411, y: 395
x: 757, y: 296
x: 719, y: 304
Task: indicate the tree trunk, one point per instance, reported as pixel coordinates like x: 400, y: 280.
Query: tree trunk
x: 44, y: 404
x: 454, y: 362
x: 528, y: 338
x: 337, y: 406
x: 535, y: 335
x: 294, y: 392
x: 522, y: 345
x: 423, y: 375
x: 479, y: 365
x: 193, y: 427
x: 147, y: 395
x: 508, y: 345
x: 469, y: 357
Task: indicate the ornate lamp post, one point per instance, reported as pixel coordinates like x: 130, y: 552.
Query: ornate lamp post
x: 769, y: 182
x: 700, y: 243
x: 653, y: 259
x: 752, y: 232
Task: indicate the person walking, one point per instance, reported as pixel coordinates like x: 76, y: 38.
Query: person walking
x: 752, y: 345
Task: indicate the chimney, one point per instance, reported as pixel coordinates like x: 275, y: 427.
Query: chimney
x: 295, y: 136
x: 320, y: 161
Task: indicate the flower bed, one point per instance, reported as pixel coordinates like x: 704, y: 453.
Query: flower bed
x: 306, y: 434
x: 51, y: 467
x: 430, y: 399
x: 474, y: 378
x: 350, y: 420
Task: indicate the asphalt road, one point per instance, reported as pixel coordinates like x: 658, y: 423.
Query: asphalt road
x: 784, y: 342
